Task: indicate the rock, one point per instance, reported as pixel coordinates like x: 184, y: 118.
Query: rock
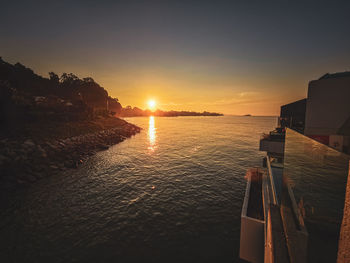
x: 4, y: 159
x: 51, y: 145
x: 30, y: 178
x: 25, y: 177
x: 37, y: 175
x: 42, y: 151
x: 20, y: 181
x: 29, y: 143
x: 70, y: 164
x: 24, y: 161
x: 103, y: 147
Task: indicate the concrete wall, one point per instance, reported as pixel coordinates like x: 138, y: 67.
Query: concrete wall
x: 252, y: 233
x: 328, y: 105
x: 252, y: 240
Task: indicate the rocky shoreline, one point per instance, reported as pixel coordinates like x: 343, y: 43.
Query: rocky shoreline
x: 27, y: 161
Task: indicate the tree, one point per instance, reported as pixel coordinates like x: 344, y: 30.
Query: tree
x: 88, y: 79
x: 69, y: 78
x: 54, y: 77
x: 114, y: 105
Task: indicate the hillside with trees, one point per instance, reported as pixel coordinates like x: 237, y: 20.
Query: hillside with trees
x: 26, y: 97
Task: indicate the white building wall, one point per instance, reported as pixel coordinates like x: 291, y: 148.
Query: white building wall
x: 328, y: 105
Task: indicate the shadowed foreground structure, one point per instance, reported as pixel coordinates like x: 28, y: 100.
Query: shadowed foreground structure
x: 344, y: 240
x: 307, y: 178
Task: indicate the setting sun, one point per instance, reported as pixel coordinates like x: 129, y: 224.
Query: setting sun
x: 165, y: 124
x: 151, y: 104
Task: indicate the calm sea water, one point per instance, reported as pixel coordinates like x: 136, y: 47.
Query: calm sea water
x: 172, y: 193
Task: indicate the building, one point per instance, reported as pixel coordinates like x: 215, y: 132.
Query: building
x: 297, y: 206
x: 325, y: 114
x: 293, y: 115
x: 327, y: 117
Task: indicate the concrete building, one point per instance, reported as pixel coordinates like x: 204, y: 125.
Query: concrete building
x: 327, y: 117
x: 293, y: 115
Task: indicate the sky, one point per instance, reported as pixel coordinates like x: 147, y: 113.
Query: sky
x: 233, y: 57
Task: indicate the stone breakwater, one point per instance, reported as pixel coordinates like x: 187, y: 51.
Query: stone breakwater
x: 28, y: 161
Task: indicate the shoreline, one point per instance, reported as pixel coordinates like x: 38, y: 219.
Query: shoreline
x: 29, y: 159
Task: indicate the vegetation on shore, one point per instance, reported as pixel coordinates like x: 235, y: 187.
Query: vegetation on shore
x: 29, y: 100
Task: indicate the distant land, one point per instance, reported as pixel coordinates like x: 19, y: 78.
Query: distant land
x: 137, y: 112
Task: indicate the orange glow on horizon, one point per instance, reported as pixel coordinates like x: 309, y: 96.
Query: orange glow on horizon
x: 151, y: 105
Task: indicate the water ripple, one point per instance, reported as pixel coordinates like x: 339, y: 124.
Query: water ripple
x: 172, y: 193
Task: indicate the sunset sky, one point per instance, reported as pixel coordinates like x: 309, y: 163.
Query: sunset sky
x: 232, y: 57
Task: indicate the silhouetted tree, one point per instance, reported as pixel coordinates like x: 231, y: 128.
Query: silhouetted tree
x: 54, y: 77
x: 84, y: 95
x: 114, y: 105
x: 88, y: 79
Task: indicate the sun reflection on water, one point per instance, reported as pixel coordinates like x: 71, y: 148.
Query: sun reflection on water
x: 151, y: 134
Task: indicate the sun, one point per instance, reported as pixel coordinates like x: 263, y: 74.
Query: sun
x: 151, y: 104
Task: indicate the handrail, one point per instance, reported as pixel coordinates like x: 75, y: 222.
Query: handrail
x: 275, y: 200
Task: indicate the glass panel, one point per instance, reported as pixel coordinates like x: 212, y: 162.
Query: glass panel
x: 317, y: 175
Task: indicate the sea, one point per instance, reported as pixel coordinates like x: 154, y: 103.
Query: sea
x: 172, y: 193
